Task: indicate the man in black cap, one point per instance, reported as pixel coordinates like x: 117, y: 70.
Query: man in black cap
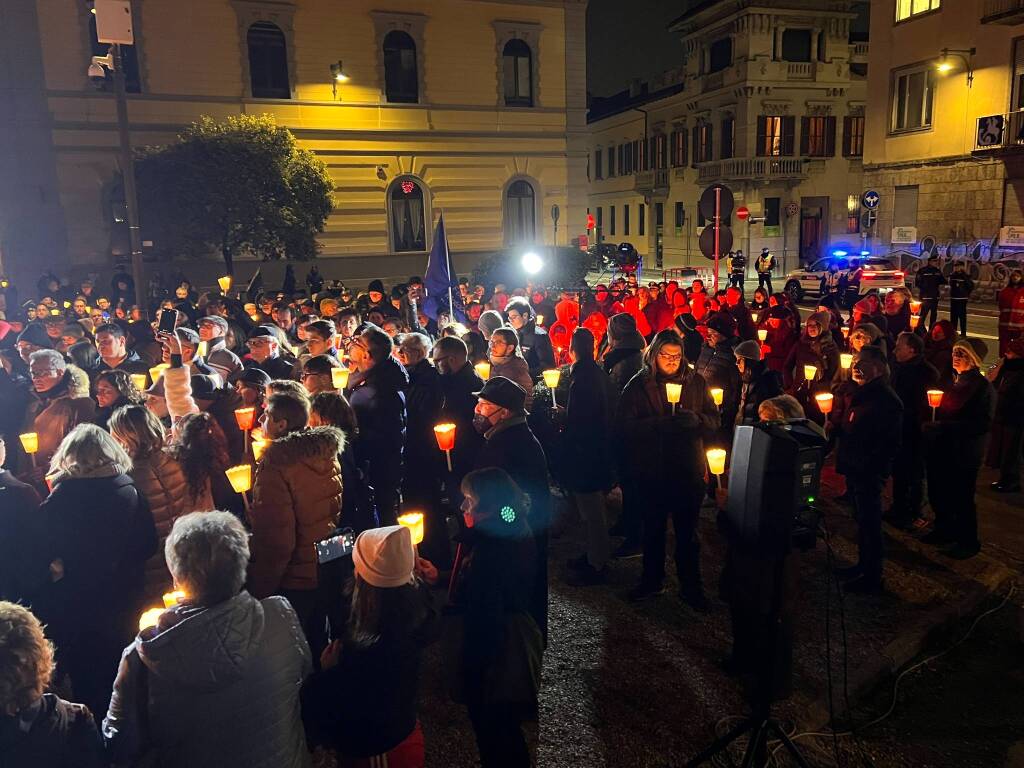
x: 30, y: 340
x: 510, y: 445
x: 212, y: 330
x: 265, y: 353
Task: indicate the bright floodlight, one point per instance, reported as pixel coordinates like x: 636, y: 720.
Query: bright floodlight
x: 532, y: 263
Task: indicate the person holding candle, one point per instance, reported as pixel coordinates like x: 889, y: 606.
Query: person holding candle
x: 660, y: 452
x: 217, y: 680
x: 814, y: 348
x: 872, y: 429
x: 114, y: 389
x: 938, y: 348
x: 39, y: 729
x: 955, y: 447
x: 59, y: 401
x: 378, y: 396
x: 213, y: 329
x: 1008, y: 423
x: 506, y: 358
x: 758, y: 382
x: 100, y: 533
x: 377, y: 658
x: 912, y: 377
x: 199, y: 445
x: 459, y: 384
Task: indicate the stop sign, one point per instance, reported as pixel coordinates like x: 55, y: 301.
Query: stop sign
x: 742, y: 213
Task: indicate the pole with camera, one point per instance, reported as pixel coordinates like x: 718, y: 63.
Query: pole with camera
x: 114, y: 27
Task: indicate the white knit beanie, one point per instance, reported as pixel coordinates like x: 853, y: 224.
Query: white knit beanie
x: 384, y: 557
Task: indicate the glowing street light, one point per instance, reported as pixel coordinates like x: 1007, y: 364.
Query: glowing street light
x: 532, y: 263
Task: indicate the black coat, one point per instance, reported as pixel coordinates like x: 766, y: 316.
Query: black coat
x: 537, y: 349
x: 655, y: 446
x: 279, y: 367
x: 512, y: 446
x: 958, y: 436
x: 872, y: 429
x: 1009, y: 385
x: 379, y: 402
x: 586, y: 461
x: 622, y: 364
x: 929, y: 280
x: 53, y: 733
x: 21, y: 535
x: 693, y: 342
x: 960, y: 285
x: 717, y: 365
x: 764, y: 384
x: 423, y: 400
x: 911, y: 381
x: 458, y: 402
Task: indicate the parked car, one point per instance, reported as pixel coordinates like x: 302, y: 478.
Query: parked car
x: 864, y: 274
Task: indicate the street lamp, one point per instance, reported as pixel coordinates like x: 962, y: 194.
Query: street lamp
x: 945, y: 66
x: 338, y: 76
x: 532, y: 263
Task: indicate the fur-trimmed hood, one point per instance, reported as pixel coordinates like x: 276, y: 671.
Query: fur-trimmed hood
x: 306, y: 446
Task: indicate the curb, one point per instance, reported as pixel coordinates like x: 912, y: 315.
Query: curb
x: 889, y: 661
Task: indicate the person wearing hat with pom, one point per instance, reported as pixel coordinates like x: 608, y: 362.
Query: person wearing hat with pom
x: 955, y: 447
x: 376, y: 656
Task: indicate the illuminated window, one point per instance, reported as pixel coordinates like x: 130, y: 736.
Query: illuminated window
x: 853, y: 136
x: 906, y: 9
x: 818, y: 136
x: 679, y: 147
x: 408, y: 232
x: 775, y: 135
x: 913, y: 90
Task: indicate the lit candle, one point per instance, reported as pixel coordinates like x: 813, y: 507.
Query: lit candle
x: 240, y: 477
x: 201, y: 349
x: 540, y: 319
x: 914, y: 320
x: 551, y: 377
x: 157, y: 371
x: 258, y: 447
x: 716, y: 461
x: 673, y: 392
x: 934, y: 400
x: 245, y: 417
x: 224, y: 283
x: 846, y: 331
x: 754, y: 316
x: 174, y: 598
x: 824, y: 400
x: 414, y: 522
x: 810, y: 371
x: 30, y: 442
x: 445, y: 436
x: 483, y: 370
x: 139, y: 381
x: 339, y: 377
x: 762, y: 334
x: 717, y: 395
x: 150, y: 618
x: 846, y: 360
x: 915, y: 307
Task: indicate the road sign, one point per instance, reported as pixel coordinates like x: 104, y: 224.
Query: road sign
x: 868, y: 219
x: 707, y: 202
x: 707, y: 241
x: 870, y: 199
x: 792, y: 209
x: 742, y: 213
x: 903, y: 236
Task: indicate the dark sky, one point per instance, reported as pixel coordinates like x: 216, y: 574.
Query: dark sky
x: 628, y: 39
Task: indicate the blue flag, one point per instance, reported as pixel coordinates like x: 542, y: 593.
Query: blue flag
x: 440, y: 284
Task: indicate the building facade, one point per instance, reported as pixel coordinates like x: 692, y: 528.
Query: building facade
x: 471, y: 107
x: 945, y: 130
x: 770, y: 103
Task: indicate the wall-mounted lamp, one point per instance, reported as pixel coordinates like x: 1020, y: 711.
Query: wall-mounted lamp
x: 945, y: 65
x: 337, y: 76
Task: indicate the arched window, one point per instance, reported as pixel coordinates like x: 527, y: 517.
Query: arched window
x: 268, y: 62
x: 401, y: 80
x: 518, y: 67
x: 408, y: 232
x: 520, y: 213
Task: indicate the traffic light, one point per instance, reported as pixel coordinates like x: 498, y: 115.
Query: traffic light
x: 591, y: 223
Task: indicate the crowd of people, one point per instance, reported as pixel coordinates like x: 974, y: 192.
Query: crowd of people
x: 293, y: 608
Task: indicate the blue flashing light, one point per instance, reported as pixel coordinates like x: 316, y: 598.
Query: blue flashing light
x: 839, y: 254
x: 865, y: 253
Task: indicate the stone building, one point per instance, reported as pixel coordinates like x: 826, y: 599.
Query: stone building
x: 469, y: 107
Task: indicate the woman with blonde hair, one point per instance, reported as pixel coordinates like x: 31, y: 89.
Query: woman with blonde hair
x: 101, y: 533
x: 159, y: 477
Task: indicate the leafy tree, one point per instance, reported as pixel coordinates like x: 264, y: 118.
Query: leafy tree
x: 233, y: 187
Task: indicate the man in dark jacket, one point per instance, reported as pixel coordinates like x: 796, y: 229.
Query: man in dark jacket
x: 929, y: 282
x: 534, y: 341
x: 265, y: 354
x: 586, y: 466
x: 625, y: 353
x: 960, y: 288
x: 112, y: 345
x: 379, y: 400
x: 459, y: 384
x: 20, y: 534
x: 661, y: 461
x: 693, y: 342
x: 758, y: 382
x: 871, y: 437
x: 421, y: 486
x: 510, y: 445
x: 912, y: 377
x: 717, y: 366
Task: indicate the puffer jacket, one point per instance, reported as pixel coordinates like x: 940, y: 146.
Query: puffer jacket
x: 161, y: 479
x: 296, y: 501
x: 216, y: 686
x: 53, y: 414
x: 957, y: 438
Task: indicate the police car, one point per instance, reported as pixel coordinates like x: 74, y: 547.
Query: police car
x: 864, y: 274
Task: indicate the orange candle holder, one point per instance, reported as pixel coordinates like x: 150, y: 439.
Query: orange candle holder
x: 935, y: 400
x: 824, y: 400
x: 445, y: 436
x: 245, y: 418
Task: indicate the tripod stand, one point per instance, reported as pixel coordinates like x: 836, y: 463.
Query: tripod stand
x: 760, y: 724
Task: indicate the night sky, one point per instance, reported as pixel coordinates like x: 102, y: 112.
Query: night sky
x: 627, y: 40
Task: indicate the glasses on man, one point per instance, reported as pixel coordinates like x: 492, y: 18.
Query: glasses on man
x: 668, y: 358
x: 42, y: 373
x: 253, y: 343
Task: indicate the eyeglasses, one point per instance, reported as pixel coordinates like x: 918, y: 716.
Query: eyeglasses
x: 257, y: 343
x: 42, y: 373
x: 670, y: 358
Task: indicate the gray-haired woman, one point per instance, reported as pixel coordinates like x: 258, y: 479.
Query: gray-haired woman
x: 220, y: 672
x: 100, y: 534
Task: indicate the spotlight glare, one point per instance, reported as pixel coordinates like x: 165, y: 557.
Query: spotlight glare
x: 532, y: 263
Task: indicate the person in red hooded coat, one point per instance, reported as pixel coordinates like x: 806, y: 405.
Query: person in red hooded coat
x: 1010, y: 301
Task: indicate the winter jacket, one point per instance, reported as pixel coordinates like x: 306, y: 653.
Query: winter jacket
x: 960, y: 286
x: 423, y: 401
x: 821, y: 352
x: 52, y: 733
x: 53, y: 414
x: 658, y: 314
x: 897, y: 324
x: 1009, y: 386
x: 518, y: 370
x: 279, y: 367
x: 378, y: 399
x: 161, y: 480
x: 21, y: 535
x: 223, y: 360
x: 622, y: 363
x: 778, y: 345
x: 512, y: 446
x: 929, y: 281
x: 911, y: 381
x: 940, y: 353
x: 958, y: 436
x: 132, y: 363
x: 385, y: 673
x: 296, y: 501
x: 693, y: 342
x: 763, y: 384
x: 872, y: 429
x: 537, y: 350
x: 717, y: 366
x: 213, y: 686
x: 655, y: 446
x: 586, y: 461
x: 457, y: 406
x: 1011, y: 314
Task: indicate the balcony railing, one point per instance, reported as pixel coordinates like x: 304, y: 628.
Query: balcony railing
x: 652, y: 182
x: 1002, y: 12
x: 801, y: 70
x: 995, y: 133
x: 859, y: 53
x: 713, y: 81
x: 755, y: 168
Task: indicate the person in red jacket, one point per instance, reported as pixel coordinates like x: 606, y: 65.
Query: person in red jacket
x: 1010, y: 301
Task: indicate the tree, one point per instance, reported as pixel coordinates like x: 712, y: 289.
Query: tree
x: 233, y: 187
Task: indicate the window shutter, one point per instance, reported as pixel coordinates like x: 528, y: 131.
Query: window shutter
x: 696, y: 146
x: 846, y: 136
x: 762, y: 135
x: 805, y: 138
x: 788, y: 129
x: 830, y: 136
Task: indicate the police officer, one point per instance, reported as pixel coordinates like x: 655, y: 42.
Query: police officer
x: 737, y: 270
x: 960, y: 288
x: 929, y: 281
x: 764, y: 264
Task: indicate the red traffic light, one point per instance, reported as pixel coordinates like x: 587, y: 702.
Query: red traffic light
x: 591, y: 223
x: 742, y: 213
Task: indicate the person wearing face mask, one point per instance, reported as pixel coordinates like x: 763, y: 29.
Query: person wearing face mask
x: 509, y: 444
x: 534, y: 341
x: 872, y: 430
x: 1010, y: 301
x: 459, y: 383
x: 759, y: 382
x: 661, y: 463
x: 955, y: 447
x: 507, y: 360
